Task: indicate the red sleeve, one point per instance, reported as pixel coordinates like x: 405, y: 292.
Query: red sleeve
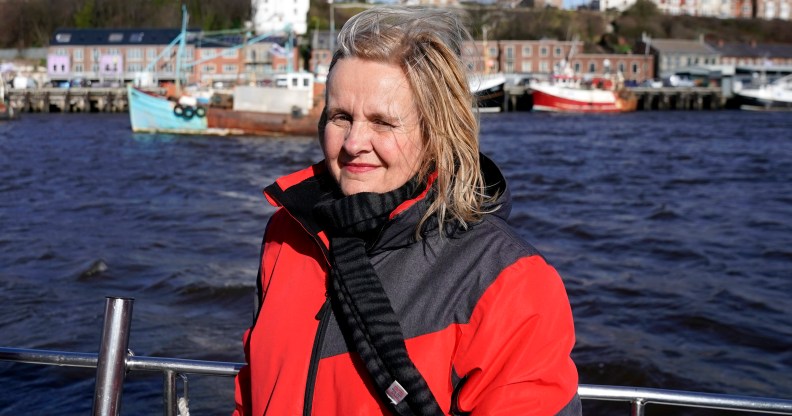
x: 242, y: 383
x: 516, y: 350
x: 269, y: 256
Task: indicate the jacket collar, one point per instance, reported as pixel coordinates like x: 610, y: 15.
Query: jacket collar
x: 300, y: 191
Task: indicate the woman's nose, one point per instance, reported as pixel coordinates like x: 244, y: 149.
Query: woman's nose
x: 358, y: 139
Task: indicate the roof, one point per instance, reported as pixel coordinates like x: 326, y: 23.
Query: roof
x: 114, y: 36
x: 680, y: 46
x: 755, y: 50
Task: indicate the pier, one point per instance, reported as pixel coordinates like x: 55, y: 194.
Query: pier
x: 69, y: 100
x: 679, y: 98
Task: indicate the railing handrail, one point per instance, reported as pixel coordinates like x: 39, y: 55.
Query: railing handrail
x: 637, y: 395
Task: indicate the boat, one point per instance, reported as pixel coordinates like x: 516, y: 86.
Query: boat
x: 488, y: 89
x: 575, y: 94
x: 776, y: 95
x: 7, y: 112
x: 244, y: 110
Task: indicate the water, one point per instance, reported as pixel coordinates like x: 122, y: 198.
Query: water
x: 671, y: 229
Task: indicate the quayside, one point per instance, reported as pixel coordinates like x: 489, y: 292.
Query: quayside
x: 114, y: 360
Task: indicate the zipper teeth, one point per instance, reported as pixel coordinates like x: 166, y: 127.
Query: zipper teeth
x: 313, y: 368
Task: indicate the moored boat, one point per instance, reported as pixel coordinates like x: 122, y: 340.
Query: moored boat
x: 564, y: 93
x: 6, y: 110
x: 245, y: 110
x: 776, y: 95
x: 489, y: 91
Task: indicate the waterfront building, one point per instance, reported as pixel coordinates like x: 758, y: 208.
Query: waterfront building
x: 275, y: 16
x: 673, y: 55
x: 118, y: 56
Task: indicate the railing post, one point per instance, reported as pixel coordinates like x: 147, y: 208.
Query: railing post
x: 637, y: 408
x: 169, y: 393
x: 111, y: 366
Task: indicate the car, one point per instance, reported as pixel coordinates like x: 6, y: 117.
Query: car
x: 79, y: 83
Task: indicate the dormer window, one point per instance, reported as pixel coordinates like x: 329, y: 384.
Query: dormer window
x: 115, y: 37
x: 136, y: 37
x: 63, y: 37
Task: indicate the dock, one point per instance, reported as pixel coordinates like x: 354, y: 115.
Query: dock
x: 518, y: 98
x: 69, y: 100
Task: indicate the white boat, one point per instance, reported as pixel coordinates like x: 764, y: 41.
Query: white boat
x: 489, y: 91
x: 776, y: 95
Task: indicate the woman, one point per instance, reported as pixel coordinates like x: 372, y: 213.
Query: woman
x: 390, y: 282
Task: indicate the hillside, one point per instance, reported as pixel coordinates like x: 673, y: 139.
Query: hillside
x: 30, y: 23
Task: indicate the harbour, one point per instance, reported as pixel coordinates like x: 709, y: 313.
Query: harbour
x: 673, y: 241
x: 115, y: 100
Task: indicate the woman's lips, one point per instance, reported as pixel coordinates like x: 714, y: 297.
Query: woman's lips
x: 358, y: 167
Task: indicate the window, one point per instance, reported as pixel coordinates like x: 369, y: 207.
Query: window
x: 621, y: 67
x: 208, y: 69
x: 61, y: 52
x: 634, y: 68
x: 208, y: 53
x: 558, y: 51
x: 134, y: 54
x: 115, y: 37
x: 229, y: 69
x: 94, y: 67
x: 63, y: 37
x: 113, y: 51
x: 78, y: 68
x: 526, y: 51
x: 526, y: 66
x: 231, y: 53
x: 592, y: 67
x: 136, y: 37
x: 544, y: 66
x: 509, y: 52
x: 78, y: 55
x: 577, y: 67
x: 493, y: 51
x: 151, y: 54
x: 134, y: 67
x: 509, y: 67
x: 543, y: 51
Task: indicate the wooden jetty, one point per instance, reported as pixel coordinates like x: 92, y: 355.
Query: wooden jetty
x: 518, y: 98
x: 679, y: 98
x: 69, y: 100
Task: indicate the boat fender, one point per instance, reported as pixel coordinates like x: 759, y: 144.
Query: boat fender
x: 189, y: 112
x: 178, y: 110
x: 200, y: 112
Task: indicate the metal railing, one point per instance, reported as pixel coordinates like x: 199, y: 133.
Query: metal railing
x: 114, y: 360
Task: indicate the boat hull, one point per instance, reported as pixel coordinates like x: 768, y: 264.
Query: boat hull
x: 574, y: 100
x: 150, y: 113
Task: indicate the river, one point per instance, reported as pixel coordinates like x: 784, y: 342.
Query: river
x: 672, y: 231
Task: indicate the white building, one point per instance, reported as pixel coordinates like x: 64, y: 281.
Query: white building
x: 275, y: 15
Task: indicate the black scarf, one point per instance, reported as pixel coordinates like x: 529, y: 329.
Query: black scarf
x: 367, y: 315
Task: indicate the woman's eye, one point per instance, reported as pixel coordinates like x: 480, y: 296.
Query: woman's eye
x: 341, y: 120
x: 381, y: 126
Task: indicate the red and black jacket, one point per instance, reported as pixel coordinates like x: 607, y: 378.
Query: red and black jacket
x: 486, y: 320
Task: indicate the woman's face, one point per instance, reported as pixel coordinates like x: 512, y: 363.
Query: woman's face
x: 372, y: 141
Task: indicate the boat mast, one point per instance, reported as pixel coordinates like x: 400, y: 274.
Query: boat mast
x: 182, y: 42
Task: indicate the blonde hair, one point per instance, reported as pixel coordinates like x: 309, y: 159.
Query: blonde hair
x: 427, y: 44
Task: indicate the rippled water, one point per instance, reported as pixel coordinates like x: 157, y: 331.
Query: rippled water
x: 672, y: 230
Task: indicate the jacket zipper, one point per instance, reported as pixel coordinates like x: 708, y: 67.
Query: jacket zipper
x: 323, y: 317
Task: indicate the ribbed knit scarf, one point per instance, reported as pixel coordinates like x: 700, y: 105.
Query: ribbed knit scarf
x: 368, y: 316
